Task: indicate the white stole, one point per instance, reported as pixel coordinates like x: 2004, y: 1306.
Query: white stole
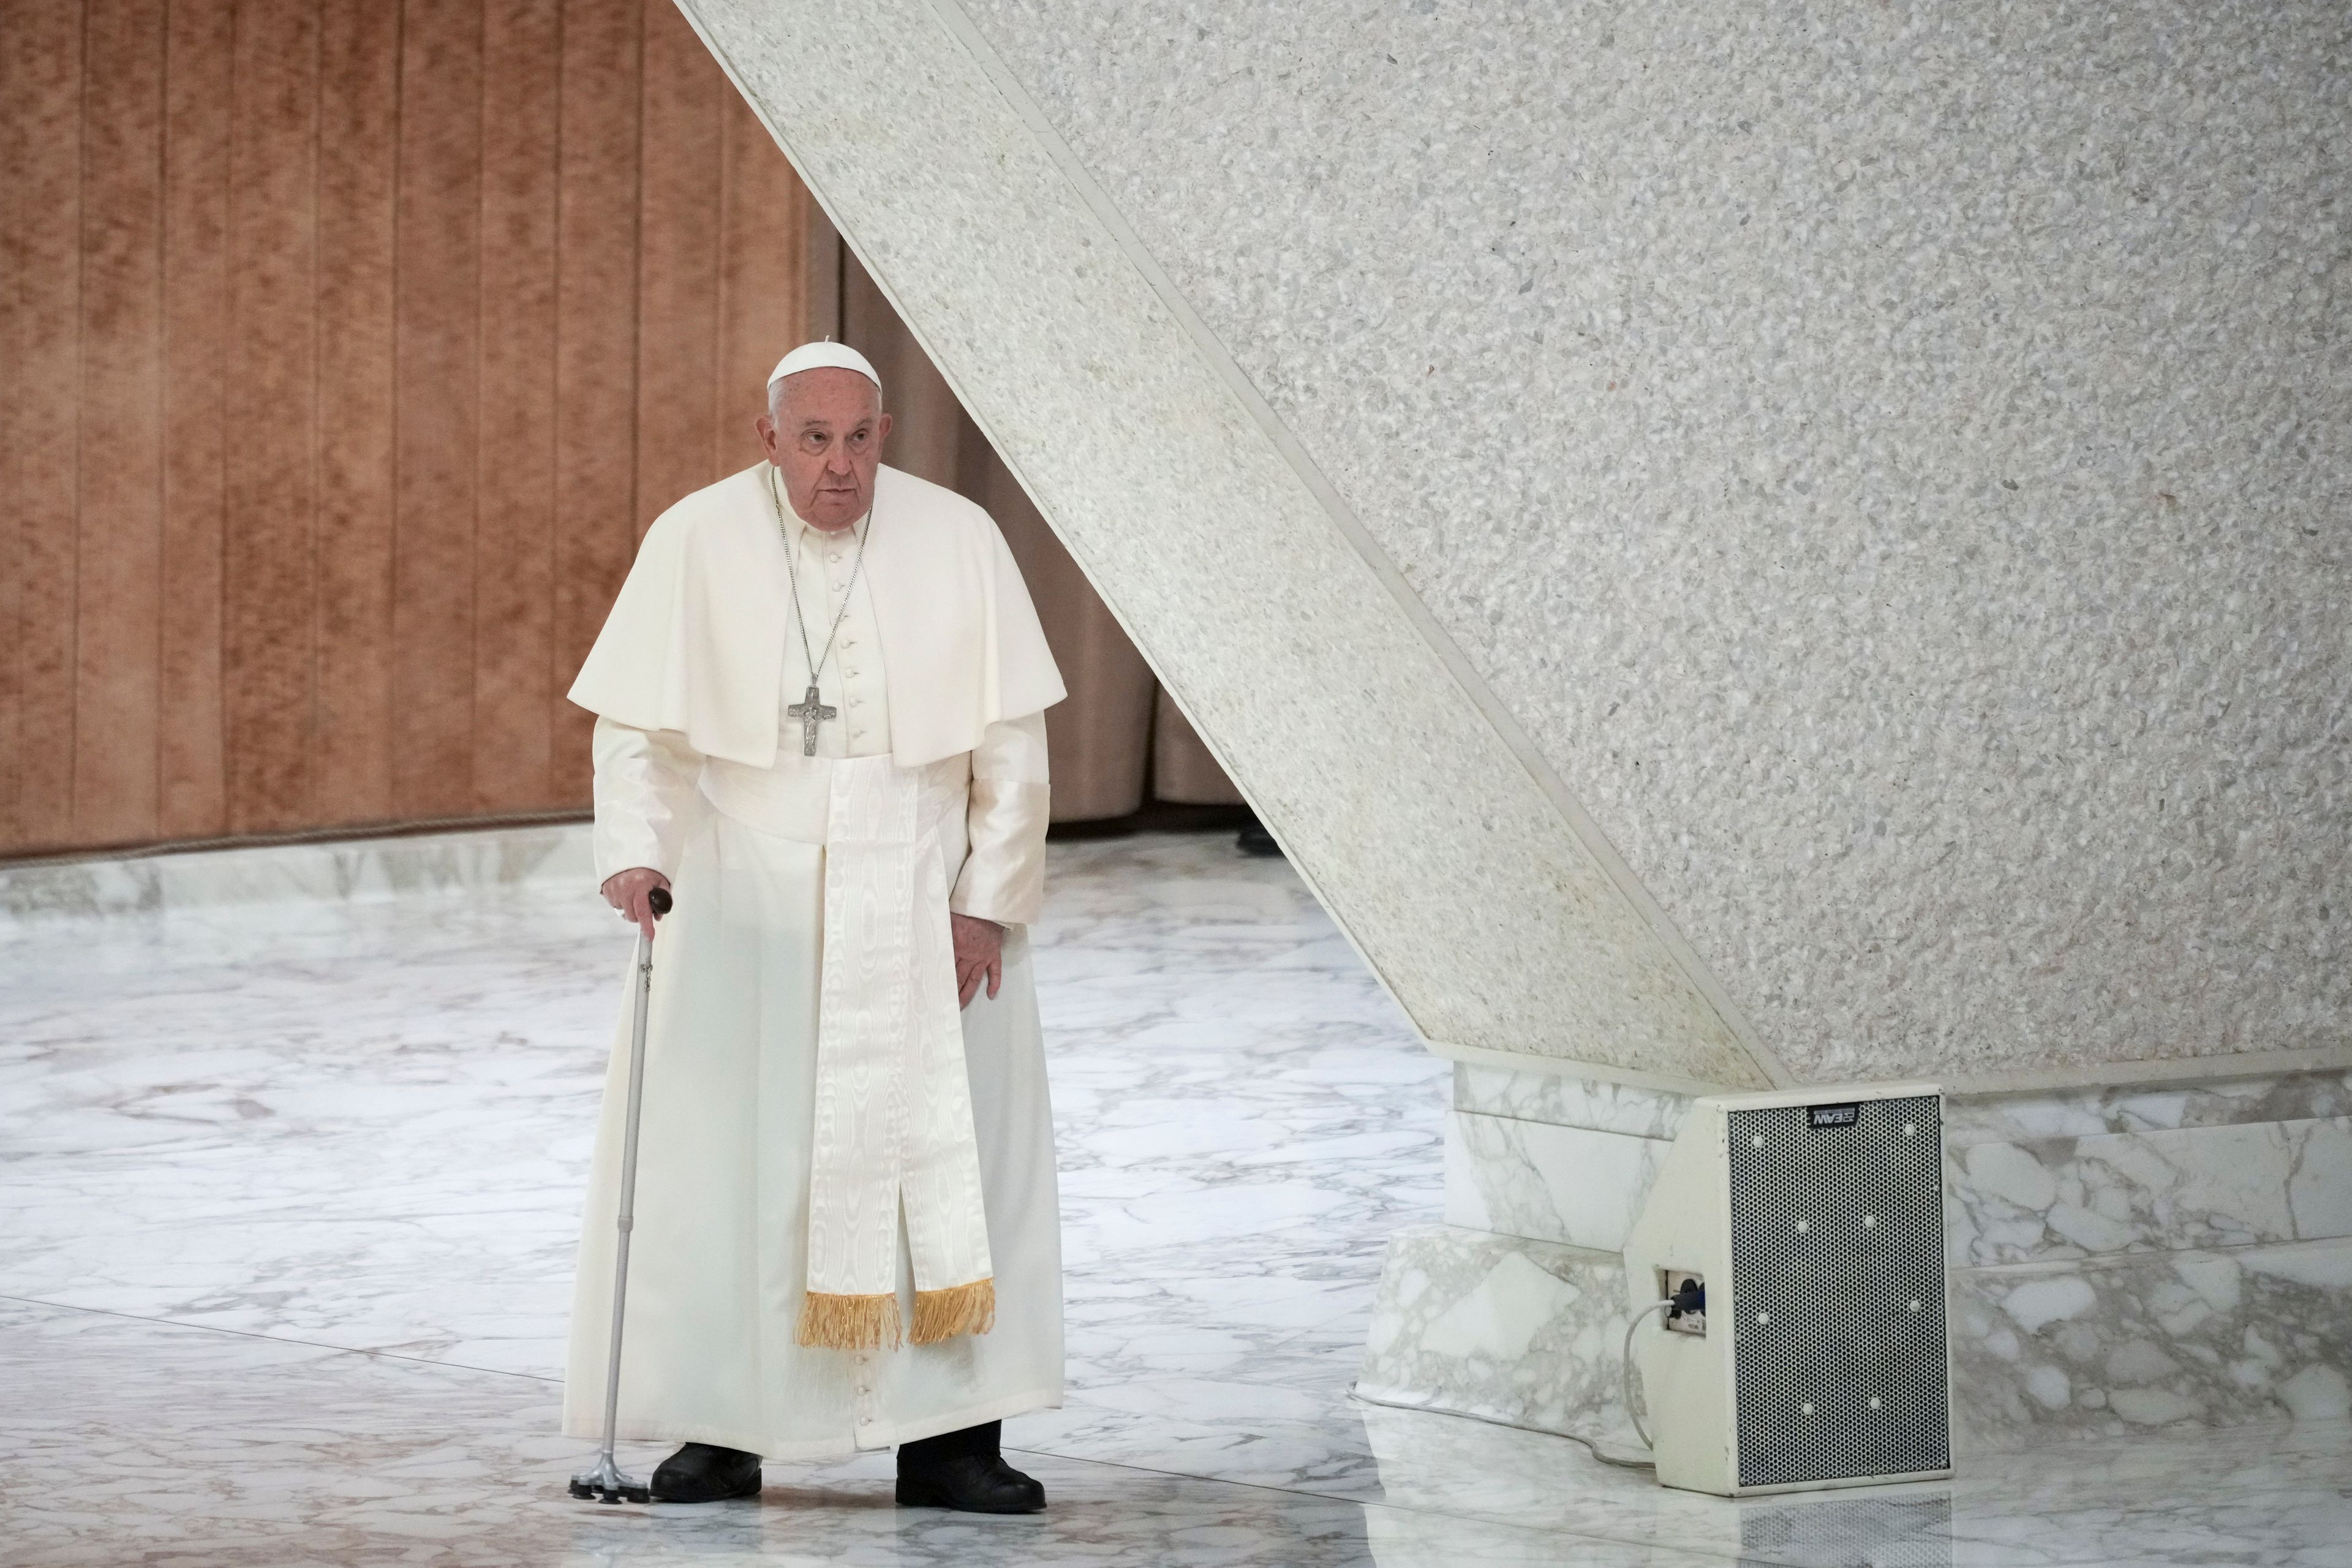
x: 893, y: 1128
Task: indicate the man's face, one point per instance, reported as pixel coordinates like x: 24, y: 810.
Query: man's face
x: 825, y: 438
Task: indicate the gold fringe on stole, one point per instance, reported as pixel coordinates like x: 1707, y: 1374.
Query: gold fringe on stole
x: 850, y: 1322
x: 959, y: 1309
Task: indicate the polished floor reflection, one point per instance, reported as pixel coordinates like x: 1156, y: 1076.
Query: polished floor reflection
x: 289, y: 1191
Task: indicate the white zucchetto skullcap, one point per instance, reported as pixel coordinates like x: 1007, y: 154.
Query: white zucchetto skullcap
x: 826, y: 355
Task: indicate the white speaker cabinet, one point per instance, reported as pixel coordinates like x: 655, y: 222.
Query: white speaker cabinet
x: 1814, y: 1219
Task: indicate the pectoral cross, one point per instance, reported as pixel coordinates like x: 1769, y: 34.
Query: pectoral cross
x: 811, y: 713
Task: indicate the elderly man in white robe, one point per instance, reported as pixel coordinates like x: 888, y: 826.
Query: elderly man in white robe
x: 820, y: 725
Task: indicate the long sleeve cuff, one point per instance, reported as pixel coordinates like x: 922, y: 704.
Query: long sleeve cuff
x: 647, y: 798
x: 1004, y: 875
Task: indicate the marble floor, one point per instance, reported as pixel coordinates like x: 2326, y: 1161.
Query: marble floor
x: 288, y: 1191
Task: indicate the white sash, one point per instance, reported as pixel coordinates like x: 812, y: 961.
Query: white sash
x: 893, y: 1111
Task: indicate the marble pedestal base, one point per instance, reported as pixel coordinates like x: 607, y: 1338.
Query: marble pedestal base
x: 2122, y: 1261
x: 1499, y: 1327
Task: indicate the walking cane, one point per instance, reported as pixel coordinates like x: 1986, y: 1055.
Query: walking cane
x: 606, y: 1482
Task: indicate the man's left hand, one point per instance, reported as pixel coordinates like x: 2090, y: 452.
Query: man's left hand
x: 978, y: 955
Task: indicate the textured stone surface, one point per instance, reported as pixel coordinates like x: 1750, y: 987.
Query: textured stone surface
x: 2161, y: 1191
x: 2249, y: 1334
x: 1893, y: 462
x: 1567, y: 1101
x: 2118, y: 1259
x: 1495, y: 921
x: 1499, y: 1327
x: 1526, y: 1333
x: 2088, y: 1111
x: 1573, y: 1185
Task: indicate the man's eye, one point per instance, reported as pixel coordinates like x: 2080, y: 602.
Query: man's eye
x: 858, y: 439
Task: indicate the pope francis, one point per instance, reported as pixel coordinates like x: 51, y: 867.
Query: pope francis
x: 819, y: 707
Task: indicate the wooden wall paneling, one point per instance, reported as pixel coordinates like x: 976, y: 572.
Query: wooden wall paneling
x: 119, y: 504
x: 345, y: 350
x: 1095, y: 739
x: 359, y: 128
x: 763, y: 305
x: 677, y: 265
x: 191, y: 780
x: 513, y: 564
x: 15, y: 392
x: 1183, y: 770
x: 822, y: 254
x: 12, y: 397
x: 437, y: 331
x: 44, y: 41
x: 596, y: 351
x: 271, y: 400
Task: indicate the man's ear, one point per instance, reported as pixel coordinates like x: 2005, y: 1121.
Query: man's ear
x: 882, y: 429
x: 766, y: 427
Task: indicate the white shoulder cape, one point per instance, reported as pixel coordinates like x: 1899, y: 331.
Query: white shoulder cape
x: 695, y: 640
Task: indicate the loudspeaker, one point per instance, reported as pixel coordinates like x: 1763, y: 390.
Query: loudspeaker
x: 1814, y: 1221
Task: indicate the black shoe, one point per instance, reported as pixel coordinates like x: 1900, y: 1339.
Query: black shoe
x: 705, y: 1472
x: 970, y: 1483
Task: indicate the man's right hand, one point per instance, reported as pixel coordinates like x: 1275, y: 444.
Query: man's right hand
x: 628, y: 892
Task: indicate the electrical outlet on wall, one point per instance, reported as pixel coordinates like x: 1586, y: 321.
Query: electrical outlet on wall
x: 1671, y: 1283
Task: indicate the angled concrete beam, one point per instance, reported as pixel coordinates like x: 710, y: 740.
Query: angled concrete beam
x: 1476, y: 889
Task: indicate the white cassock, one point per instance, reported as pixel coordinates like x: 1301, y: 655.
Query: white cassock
x: 938, y: 680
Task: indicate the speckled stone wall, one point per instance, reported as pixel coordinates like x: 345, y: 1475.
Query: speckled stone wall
x: 1786, y: 543
x: 1893, y: 460
x: 1500, y: 921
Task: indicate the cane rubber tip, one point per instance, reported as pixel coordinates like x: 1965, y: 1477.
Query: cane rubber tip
x: 658, y: 901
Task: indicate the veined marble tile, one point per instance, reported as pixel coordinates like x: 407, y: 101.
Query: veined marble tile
x: 2245, y: 1335
x: 363, y: 1122
x: 2163, y: 1190
x: 1501, y: 1328
x: 1445, y: 1464
x: 1568, y: 1184
x: 2089, y: 1112
x: 1399, y: 1538
x: 1555, y: 1485
x: 364, y: 868
x: 134, y: 1442
x: 2255, y: 1494
x: 1567, y: 1101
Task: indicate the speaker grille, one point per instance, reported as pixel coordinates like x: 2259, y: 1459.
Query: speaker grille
x: 1836, y: 1230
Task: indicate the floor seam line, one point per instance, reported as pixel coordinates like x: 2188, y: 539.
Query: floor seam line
x: 1697, y: 1553
x: 275, y: 1338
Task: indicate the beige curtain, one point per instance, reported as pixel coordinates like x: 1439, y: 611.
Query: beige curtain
x: 267, y: 577
x: 1118, y: 743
